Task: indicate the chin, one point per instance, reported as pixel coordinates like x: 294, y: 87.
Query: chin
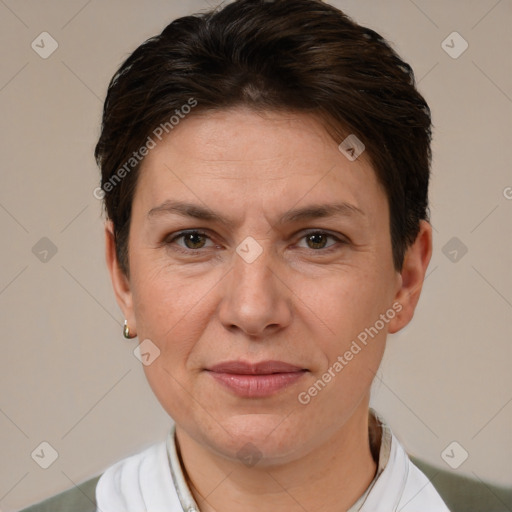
x: 264, y: 439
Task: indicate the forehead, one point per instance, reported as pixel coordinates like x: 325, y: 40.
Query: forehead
x: 239, y: 154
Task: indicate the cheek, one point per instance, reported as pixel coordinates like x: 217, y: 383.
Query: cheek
x: 173, y: 311
x: 350, y: 333
x: 352, y: 356
x: 162, y: 296
x: 344, y: 303
x: 172, y: 315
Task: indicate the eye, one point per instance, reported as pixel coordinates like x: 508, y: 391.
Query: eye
x: 319, y: 240
x: 192, y: 240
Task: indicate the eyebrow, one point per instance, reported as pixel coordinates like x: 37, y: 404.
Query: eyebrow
x: 298, y: 214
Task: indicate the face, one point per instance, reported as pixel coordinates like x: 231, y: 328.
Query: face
x: 258, y: 255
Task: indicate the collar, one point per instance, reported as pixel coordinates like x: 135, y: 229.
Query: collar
x: 380, y: 443
x: 153, y: 480
x: 188, y: 504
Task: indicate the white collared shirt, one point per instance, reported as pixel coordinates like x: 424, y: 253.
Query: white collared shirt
x: 153, y: 481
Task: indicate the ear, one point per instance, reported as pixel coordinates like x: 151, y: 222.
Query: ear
x: 120, y: 282
x: 412, y: 275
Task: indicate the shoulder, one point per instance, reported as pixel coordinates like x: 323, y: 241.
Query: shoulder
x: 81, y: 498
x: 84, y: 497
x: 461, y: 493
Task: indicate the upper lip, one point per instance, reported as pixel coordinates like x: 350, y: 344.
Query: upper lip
x: 261, y: 368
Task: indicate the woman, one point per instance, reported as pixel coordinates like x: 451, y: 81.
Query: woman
x: 265, y: 175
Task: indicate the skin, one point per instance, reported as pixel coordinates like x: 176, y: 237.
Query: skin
x: 299, y: 302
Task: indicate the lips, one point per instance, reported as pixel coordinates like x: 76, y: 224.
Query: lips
x: 256, y: 380
x: 262, y: 368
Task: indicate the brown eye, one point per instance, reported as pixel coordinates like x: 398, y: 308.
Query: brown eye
x: 317, y: 240
x: 194, y: 240
x: 190, y: 241
x: 321, y: 242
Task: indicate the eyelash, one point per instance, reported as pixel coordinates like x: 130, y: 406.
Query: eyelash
x: 192, y: 252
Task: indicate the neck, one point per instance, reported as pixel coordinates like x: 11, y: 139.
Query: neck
x: 331, y: 478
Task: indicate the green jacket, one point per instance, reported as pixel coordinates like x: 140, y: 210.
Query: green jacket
x: 461, y: 494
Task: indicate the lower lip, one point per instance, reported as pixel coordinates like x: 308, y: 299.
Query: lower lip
x: 256, y: 386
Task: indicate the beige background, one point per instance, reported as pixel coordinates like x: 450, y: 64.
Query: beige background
x: 66, y: 374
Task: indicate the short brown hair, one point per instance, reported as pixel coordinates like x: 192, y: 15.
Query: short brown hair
x: 292, y: 55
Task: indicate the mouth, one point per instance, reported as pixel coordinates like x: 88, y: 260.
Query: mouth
x: 257, y: 380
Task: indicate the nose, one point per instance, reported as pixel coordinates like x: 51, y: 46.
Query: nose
x: 255, y: 299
